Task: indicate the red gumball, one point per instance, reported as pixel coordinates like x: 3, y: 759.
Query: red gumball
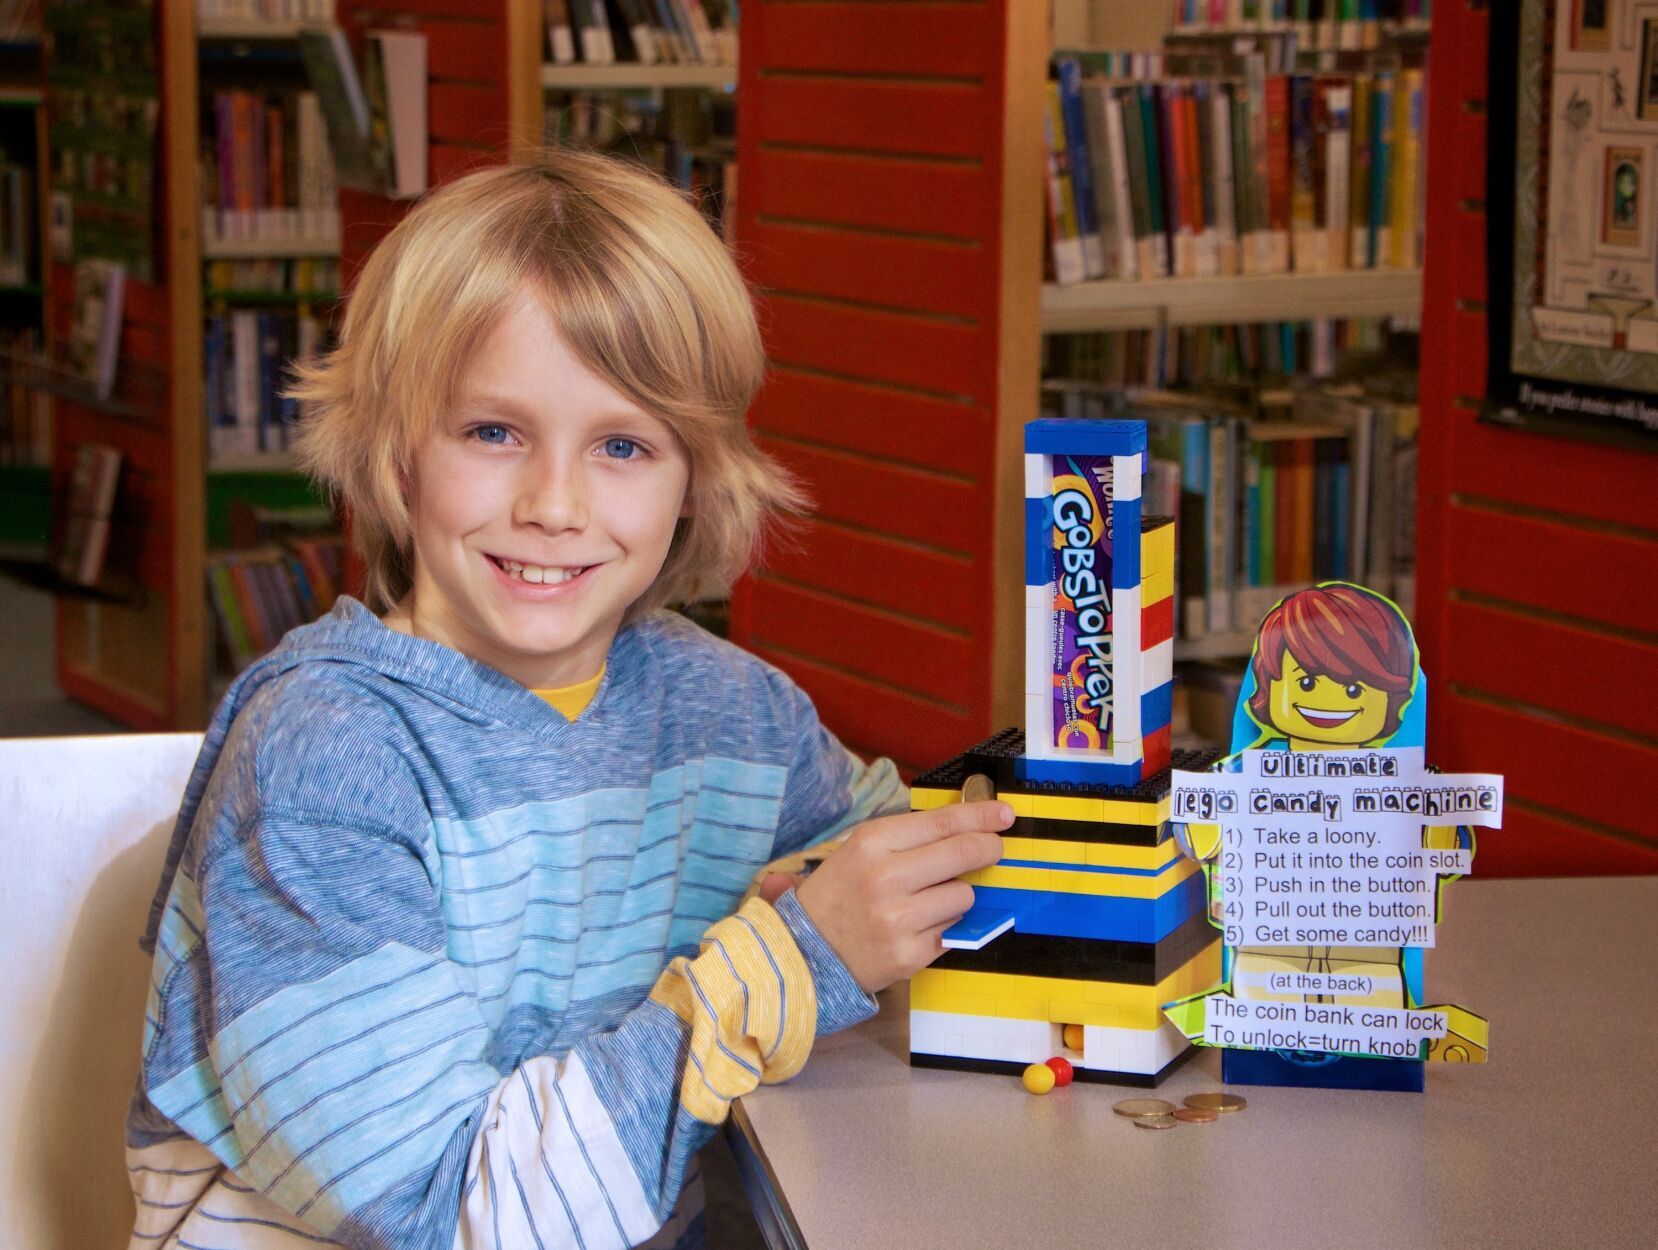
x: 1062, y: 1070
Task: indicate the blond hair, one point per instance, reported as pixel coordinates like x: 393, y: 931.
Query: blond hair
x: 641, y: 291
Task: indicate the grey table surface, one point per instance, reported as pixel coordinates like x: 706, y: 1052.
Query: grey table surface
x: 1553, y: 1142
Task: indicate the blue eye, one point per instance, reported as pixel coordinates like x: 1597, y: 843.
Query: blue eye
x: 494, y: 435
x: 1354, y: 690
x: 620, y: 448
x: 1307, y: 683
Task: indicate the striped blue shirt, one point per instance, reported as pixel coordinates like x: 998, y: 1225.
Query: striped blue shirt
x: 435, y: 966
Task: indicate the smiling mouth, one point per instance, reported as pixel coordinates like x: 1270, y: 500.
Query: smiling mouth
x: 539, y: 574
x: 1319, y: 718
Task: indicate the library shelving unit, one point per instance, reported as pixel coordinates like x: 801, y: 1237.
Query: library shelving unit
x: 24, y: 479
x: 1537, y: 556
x: 146, y: 660
x: 891, y: 214
x: 630, y: 77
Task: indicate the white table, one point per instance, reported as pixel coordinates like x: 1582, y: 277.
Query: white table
x: 1554, y: 1142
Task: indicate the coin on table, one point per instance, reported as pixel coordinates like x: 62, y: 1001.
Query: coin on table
x: 1196, y: 1115
x: 1134, y: 1108
x: 1216, y: 1102
x: 1155, y: 1121
x: 978, y: 789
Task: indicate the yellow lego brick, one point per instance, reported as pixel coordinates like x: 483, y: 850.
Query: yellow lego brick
x: 1092, y: 854
x: 1080, y: 881
x: 1156, y: 587
x: 1058, y: 806
x: 1059, y: 1001
x: 1156, y: 551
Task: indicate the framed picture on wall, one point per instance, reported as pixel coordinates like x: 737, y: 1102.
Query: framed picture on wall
x: 1573, y: 222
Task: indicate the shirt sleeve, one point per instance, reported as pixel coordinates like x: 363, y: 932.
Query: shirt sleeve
x: 829, y: 788
x: 306, y: 1025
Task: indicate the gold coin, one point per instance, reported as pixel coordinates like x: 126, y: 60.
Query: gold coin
x: 978, y: 789
x: 1134, y: 1108
x: 1216, y: 1102
x: 1154, y: 1121
x: 1196, y: 1115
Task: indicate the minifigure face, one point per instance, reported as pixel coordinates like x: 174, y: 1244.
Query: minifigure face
x: 1317, y: 712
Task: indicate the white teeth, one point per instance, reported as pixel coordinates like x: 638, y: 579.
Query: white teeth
x: 538, y: 574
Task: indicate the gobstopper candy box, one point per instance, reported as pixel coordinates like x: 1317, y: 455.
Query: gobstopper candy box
x: 1099, y: 607
x: 1089, y: 924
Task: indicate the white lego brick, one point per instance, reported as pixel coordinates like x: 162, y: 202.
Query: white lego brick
x: 1039, y: 597
x: 1130, y: 1050
x: 1125, y: 476
x: 1038, y: 480
x: 979, y: 1037
x: 1158, y: 664
x: 1038, y: 737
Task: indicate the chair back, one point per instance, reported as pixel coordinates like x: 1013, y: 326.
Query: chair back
x: 84, y: 827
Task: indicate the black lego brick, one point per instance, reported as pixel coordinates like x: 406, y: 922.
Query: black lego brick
x: 1091, y: 1076
x: 997, y: 755
x: 1085, y: 959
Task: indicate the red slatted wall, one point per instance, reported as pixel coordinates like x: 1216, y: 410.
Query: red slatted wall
x: 1537, y: 556
x: 869, y: 146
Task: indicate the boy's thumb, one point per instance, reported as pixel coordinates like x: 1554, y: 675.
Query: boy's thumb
x: 777, y: 883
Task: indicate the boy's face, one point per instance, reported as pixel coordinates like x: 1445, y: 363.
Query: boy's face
x: 541, y: 508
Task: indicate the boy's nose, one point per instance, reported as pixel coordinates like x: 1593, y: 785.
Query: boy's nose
x: 553, y: 497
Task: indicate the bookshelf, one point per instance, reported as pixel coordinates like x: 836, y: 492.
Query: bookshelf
x: 147, y: 658
x: 632, y: 77
x: 1118, y: 305
x: 892, y: 215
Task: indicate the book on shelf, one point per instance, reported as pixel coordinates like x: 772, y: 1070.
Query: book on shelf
x: 358, y: 161
x: 19, y: 225
x: 397, y: 78
x: 1209, y: 167
x: 1312, y: 25
x: 258, y: 595
x: 1271, y: 492
x: 246, y: 355
x: 25, y: 411
x: 88, y: 514
x: 95, y: 334
x: 267, y: 173
x: 640, y: 32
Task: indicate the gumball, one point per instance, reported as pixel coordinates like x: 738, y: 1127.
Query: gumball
x: 1061, y: 1069
x: 1039, y: 1078
x: 1073, y: 1037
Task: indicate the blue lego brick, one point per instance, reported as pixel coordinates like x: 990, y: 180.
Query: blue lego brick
x: 1056, y: 914
x: 978, y: 928
x: 1125, y: 550
x: 1156, y: 709
x: 1038, y: 541
x: 1080, y: 772
x: 1057, y: 435
x: 1312, y: 1071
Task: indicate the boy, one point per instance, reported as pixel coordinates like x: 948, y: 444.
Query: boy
x: 410, y: 940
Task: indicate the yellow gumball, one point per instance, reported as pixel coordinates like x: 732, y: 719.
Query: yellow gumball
x: 1039, y: 1078
x: 1073, y: 1037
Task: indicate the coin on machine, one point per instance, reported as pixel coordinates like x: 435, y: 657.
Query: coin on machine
x: 1216, y: 1102
x: 1155, y: 1121
x: 1135, y: 1108
x: 1196, y: 1115
x: 978, y: 789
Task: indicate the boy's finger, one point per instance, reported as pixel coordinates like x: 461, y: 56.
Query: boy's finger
x: 955, y: 856
x: 912, y: 829
x: 939, y: 906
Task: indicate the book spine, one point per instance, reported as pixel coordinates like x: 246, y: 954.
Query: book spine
x: 1065, y: 241
x: 1303, y: 187
x: 1276, y: 96
x: 1407, y: 130
x: 1225, y: 179
x: 1381, y: 172
x: 1338, y: 101
x: 1358, y: 187
x: 1080, y: 162
x: 1202, y: 166
x: 1158, y: 203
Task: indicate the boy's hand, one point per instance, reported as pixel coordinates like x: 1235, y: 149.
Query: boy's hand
x: 882, y: 900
